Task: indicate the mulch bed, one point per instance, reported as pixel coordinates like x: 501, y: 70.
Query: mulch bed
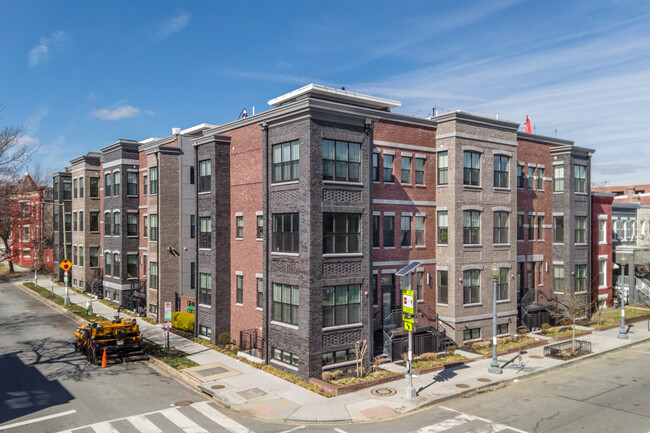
x: 569, y: 336
x: 345, y: 389
x: 442, y: 366
x: 515, y: 349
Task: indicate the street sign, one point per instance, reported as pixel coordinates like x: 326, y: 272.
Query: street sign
x: 168, y: 316
x: 407, y: 302
x: 408, y: 326
x: 65, y: 264
x: 408, y: 319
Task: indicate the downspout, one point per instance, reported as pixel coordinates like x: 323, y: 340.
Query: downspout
x: 158, y: 230
x: 371, y: 292
x: 196, y: 241
x: 265, y: 243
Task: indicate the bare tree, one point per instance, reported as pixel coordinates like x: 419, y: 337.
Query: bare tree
x: 570, y: 307
x: 14, y: 151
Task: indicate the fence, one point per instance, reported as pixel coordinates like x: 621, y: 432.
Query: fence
x: 554, y: 350
x: 251, y: 343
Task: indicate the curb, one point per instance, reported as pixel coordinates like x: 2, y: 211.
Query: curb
x: 49, y: 303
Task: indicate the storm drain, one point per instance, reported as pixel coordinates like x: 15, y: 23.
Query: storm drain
x: 218, y: 386
x: 183, y: 403
x: 484, y: 380
x: 462, y: 385
x: 383, y: 392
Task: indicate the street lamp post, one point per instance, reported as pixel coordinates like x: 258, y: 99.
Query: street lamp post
x: 622, y: 334
x: 66, y: 300
x: 494, y: 365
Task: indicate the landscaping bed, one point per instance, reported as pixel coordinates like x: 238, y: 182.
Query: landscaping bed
x: 352, y: 384
x: 612, y: 319
x: 422, y: 366
x: 565, y: 350
x: 176, y: 359
x: 505, y: 345
x: 562, y: 333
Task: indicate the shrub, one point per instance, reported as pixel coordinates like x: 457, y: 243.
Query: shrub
x: 327, y: 376
x: 545, y: 326
x: 336, y: 374
x: 450, y: 351
x: 223, y: 338
x: 405, y: 356
x: 232, y: 348
x: 183, y: 321
x: 429, y: 356
x: 482, y: 345
x: 376, y: 362
x: 555, y: 329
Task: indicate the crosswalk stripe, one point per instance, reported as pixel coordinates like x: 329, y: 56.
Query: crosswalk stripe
x: 103, y: 427
x: 183, y: 422
x: 143, y: 424
x: 444, y: 425
x: 221, y: 419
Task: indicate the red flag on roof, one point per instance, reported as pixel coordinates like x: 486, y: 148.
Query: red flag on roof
x: 528, y: 128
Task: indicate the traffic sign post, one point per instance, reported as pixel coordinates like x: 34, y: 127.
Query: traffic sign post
x: 66, y: 301
x: 408, y: 313
x: 168, y: 321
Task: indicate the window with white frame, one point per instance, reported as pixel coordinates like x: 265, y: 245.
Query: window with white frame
x: 501, y: 163
x: 558, y: 278
x: 443, y: 168
x: 406, y: 169
x: 558, y: 178
x: 501, y: 227
x: 602, y: 226
x: 602, y: 266
x: 581, y: 278
x: 419, y: 231
x: 580, y: 176
x: 581, y: 230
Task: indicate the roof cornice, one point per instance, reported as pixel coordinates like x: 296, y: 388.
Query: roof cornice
x: 465, y: 116
x: 543, y: 139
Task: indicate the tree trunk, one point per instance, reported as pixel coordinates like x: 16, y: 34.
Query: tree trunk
x: 573, y: 339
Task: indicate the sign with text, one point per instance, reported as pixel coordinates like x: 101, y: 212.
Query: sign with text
x: 407, y: 302
x: 168, y: 316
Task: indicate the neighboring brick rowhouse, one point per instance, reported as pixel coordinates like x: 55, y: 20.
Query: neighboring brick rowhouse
x: 601, y: 249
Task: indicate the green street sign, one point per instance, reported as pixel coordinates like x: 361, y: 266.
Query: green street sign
x: 407, y: 302
x: 190, y: 308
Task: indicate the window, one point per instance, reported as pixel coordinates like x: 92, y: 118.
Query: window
x: 117, y: 265
x: 94, y: 222
x: 338, y: 356
x: 285, y: 233
x: 117, y: 181
x: 117, y: 219
x: 260, y: 227
x: 443, y: 168
x: 192, y: 226
x: 418, y: 285
x: 540, y: 178
x: 132, y: 224
x: 419, y: 231
x: 531, y: 178
x: 94, y: 187
x: 205, y: 175
x: 67, y: 191
x: 74, y: 226
x: 25, y: 234
x: 520, y: 227
x: 341, y: 161
x: 74, y: 182
x: 108, y: 221
x: 205, y: 239
x: 192, y: 175
x: 581, y: 278
x: 153, y: 180
x: 240, y: 227
x: 205, y: 289
x: 144, y: 184
x: 501, y: 171
x: 580, y: 173
x: 502, y: 329
x: 260, y: 293
x: 601, y: 273
x: 389, y: 231
x: 153, y: 309
x: 602, y: 224
x: 132, y: 266
x: 286, y: 161
x: 406, y: 169
x: 558, y: 229
x: 471, y: 168
x: 419, y: 171
x: 192, y: 274
x: 144, y: 266
x: 443, y: 291
x: 471, y: 226
x: 530, y: 275
x: 240, y: 289
x: 81, y: 256
x: 284, y: 356
x: 285, y: 303
x: 153, y: 275
x: 341, y: 305
x: 131, y: 183
x: 81, y: 187
x: 108, y: 260
x: 443, y: 227
x: 68, y: 222
x: 520, y: 176
x: 341, y: 233
x: 502, y: 285
x: 81, y: 221
x: 375, y: 231
x: 153, y: 227
x: 74, y: 255
x: 471, y: 287
x: 471, y: 334
x: 531, y: 227
x: 388, y: 168
x: 500, y: 227
x: 145, y: 230
x: 558, y: 279
x: 581, y: 230
x: 205, y: 331
x: 558, y: 178
x: 94, y: 257
x: 540, y: 228
x: 375, y: 167
x: 406, y: 231
x: 56, y: 222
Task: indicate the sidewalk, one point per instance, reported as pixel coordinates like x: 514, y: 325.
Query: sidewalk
x: 245, y: 388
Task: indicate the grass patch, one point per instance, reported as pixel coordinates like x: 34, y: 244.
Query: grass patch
x: 560, y: 333
x: 613, y: 317
x: 268, y: 368
x: 369, y: 376
x: 76, y: 309
x: 148, y: 320
x: 177, y: 358
x: 421, y: 363
x: 505, y: 346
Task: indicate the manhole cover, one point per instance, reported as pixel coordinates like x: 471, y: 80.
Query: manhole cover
x: 218, y: 386
x: 462, y: 385
x: 536, y: 357
x: 383, y: 392
x: 183, y: 403
x: 483, y: 379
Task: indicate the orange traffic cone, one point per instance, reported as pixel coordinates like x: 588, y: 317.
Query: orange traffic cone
x: 104, y: 360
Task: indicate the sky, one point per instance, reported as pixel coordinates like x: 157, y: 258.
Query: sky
x: 80, y: 75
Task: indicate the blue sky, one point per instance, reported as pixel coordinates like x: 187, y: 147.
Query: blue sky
x: 80, y: 75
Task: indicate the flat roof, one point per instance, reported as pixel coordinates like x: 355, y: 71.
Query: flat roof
x: 336, y: 94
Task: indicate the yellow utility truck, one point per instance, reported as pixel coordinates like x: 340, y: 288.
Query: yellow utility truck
x: 120, y: 337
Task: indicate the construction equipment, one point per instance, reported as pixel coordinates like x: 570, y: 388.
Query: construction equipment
x: 120, y: 338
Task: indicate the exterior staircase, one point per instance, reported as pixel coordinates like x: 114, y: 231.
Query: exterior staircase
x: 642, y: 291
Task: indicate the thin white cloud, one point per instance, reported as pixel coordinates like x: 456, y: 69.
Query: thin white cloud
x: 121, y: 112
x: 57, y: 41
x: 28, y: 140
x: 59, y: 140
x: 90, y: 96
x: 173, y: 25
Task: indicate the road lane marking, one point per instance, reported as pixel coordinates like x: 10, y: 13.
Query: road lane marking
x: 143, y: 424
x: 104, y: 427
x: 495, y: 427
x: 221, y: 419
x: 294, y: 429
x: 338, y: 430
x: 31, y: 421
x: 183, y: 422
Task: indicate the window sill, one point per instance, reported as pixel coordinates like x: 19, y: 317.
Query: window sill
x: 259, y: 239
x: 440, y: 304
x: 476, y: 187
x: 558, y: 192
x: 420, y: 301
x: 501, y: 245
x: 339, y: 327
x: 239, y: 239
x: 338, y: 365
x: 407, y: 184
x: 259, y: 309
x: 205, y: 306
x: 420, y: 247
x: 420, y: 185
x: 444, y: 185
x: 132, y: 195
x: 284, y: 364
x: 406, y: 247
x: 582, y: 292
x: 336, y: 255
x: 389, y: 248
x: 503, y: 301
x: 389, y: 183
x: 472, y: 246
x: 202, y: 193
x: 237, y: 304
x: 558, y: 293
x: 284, y: 325
x: 200, y: 249
x: 580, y: 244
x: 289, y: 182
x: 502, y: 189
x: 442, y: 245
x: 472, y: 340
x: 558, y: 243
x: 473, y: 305
x: 580, y: 193
x: 280, y: 253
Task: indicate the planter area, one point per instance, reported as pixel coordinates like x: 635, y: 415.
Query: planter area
x: 511, y: 347
x: 564, y: 334
x: 564, y: 351
x: 345, y: 389
x: 442, y: 366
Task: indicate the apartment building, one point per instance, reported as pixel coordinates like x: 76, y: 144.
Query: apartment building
x: 85, y: 208
x: 62, y: 219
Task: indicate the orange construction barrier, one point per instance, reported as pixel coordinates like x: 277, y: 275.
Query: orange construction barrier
x: 104, y: 360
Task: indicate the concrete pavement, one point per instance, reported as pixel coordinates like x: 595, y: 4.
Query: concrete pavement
x: 248, y: 389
